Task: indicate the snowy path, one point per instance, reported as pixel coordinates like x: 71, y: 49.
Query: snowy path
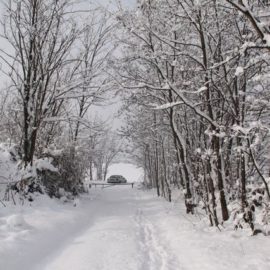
x: 121, y: 238
x: 154, y: 253
x: 121, y: 228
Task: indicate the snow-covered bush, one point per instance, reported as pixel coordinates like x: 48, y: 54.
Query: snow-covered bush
x: 255, y: 215
x: 65, y: 174
x: 56, y: 173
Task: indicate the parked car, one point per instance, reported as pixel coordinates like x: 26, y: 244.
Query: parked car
x: 117, y: 179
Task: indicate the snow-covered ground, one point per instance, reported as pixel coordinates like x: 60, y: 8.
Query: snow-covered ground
x: 119, y: 228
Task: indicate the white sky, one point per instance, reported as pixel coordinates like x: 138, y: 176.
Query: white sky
x: 108, y: 3
x: 109, y: 112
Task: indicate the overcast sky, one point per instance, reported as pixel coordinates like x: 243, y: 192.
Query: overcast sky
x: 108, y: 112
x: 110, y: 3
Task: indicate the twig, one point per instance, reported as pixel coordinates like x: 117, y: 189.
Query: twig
x: 3, y: 203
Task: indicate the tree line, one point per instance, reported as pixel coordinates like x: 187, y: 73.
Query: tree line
x: 195, y: 80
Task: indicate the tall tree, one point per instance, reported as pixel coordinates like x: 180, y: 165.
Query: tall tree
x: 41, y: 35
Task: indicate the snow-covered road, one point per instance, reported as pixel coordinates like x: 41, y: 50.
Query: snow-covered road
x: 120, y: 238
x: 120, y: 228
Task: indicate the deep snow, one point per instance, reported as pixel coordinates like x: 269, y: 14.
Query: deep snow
x: 119, y: 228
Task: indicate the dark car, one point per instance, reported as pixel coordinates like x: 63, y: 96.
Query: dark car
x: 119, y: 179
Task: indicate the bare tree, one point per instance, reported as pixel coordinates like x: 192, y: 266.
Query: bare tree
x: 261, y: 29
x: 95, y: 50
x: 41, y: 35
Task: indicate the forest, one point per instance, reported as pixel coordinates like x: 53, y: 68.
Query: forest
x: 192, y: 78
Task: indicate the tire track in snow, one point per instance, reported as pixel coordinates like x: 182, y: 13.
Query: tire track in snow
x: 154, y: 255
